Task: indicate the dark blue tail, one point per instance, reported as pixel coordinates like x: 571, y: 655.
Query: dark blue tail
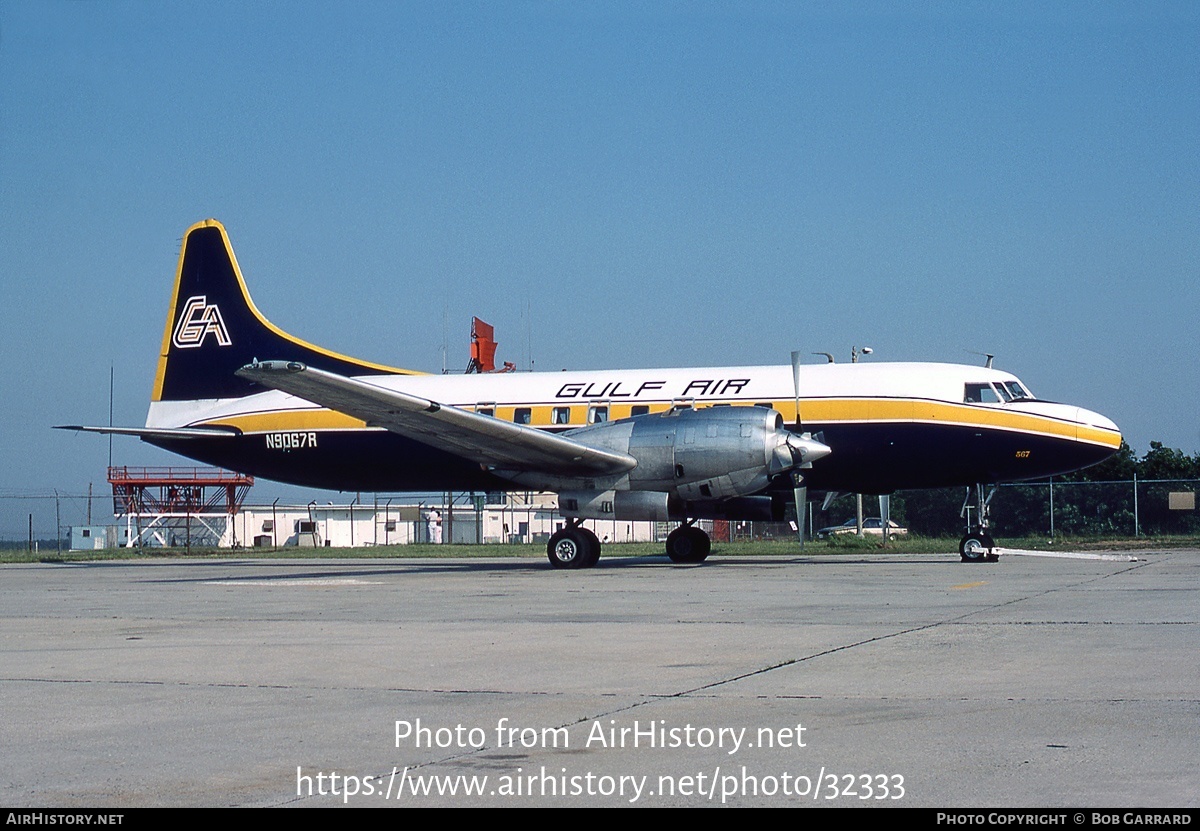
x: 214, y: 329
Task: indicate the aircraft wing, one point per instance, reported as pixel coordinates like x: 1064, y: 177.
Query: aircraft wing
x: 483, y: 439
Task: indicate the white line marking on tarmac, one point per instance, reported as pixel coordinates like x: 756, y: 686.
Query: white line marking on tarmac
x: 316, y: 581
x: 1070, y: 555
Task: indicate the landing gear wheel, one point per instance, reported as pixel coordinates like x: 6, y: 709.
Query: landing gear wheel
x: 977, y: 548
x: 688, y: 544
x: 571, y: 548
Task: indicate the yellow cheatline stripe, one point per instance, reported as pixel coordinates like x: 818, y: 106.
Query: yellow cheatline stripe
x: 1097, y: 435
x: 156, y: 395
x: 823, y: 411
x: 287, y: 420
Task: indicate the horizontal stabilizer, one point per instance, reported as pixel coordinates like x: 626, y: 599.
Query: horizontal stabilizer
x: 158, y: 432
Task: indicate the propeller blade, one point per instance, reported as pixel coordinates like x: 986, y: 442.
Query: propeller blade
x: 885, y: 515
x: 800, y: 494
x: 805, y: 450
x: 796, y: 385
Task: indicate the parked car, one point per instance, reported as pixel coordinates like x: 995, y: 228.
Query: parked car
x: 871, y: 525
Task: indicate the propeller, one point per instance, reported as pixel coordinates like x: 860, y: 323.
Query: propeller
x: 809, y: 450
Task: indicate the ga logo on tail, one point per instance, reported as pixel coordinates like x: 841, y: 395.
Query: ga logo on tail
x: 198, y: 319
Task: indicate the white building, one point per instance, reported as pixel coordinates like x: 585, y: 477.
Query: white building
x: 351, y: 526
x: 522, y: 518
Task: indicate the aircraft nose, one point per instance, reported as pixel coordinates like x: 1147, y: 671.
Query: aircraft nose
x: 1091, y: 419
x: 1097, y: 431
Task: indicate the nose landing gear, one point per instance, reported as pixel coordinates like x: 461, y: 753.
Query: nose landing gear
x: 977, y: 545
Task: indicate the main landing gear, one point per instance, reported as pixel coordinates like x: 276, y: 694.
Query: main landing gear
x: 688, y: 544
x: 573, y: 547
x: 577, y: 547
x: 977, y: 545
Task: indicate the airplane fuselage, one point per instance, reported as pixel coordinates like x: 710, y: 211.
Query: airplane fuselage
x: 891, y: 425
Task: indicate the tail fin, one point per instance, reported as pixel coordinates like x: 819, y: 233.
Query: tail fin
x: 214, y: 329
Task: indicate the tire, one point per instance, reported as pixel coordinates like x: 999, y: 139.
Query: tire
x: 975, y: 548
x: 568, y: 548
x: 688, y: 544
x: 593, y: 552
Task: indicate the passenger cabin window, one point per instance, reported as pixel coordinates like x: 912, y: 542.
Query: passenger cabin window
x: 523, y: 415
x: 980, y: 394
x: 639, y: 409
x: 486, y: 409
x: 597, y: 414
x: 561, y: 415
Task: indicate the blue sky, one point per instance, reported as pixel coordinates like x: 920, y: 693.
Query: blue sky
x: 610, y: 185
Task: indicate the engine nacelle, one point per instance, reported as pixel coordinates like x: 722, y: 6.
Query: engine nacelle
x: 614, y: 504
x: 687, y: 456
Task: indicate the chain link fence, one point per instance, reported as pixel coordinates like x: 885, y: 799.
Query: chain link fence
x: 1153, y: 507
x: 1120, y: 508
x: 1115, y: 508
x: 40, y: 520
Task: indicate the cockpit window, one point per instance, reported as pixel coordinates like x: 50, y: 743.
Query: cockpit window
x: 1016, y: 390
x: 980, y: 394
x: 1001, y: 392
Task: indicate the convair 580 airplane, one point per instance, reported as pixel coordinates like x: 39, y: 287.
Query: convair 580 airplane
x: 656, y: 444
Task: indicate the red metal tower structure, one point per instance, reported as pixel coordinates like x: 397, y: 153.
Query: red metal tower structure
x: 171, y: 506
